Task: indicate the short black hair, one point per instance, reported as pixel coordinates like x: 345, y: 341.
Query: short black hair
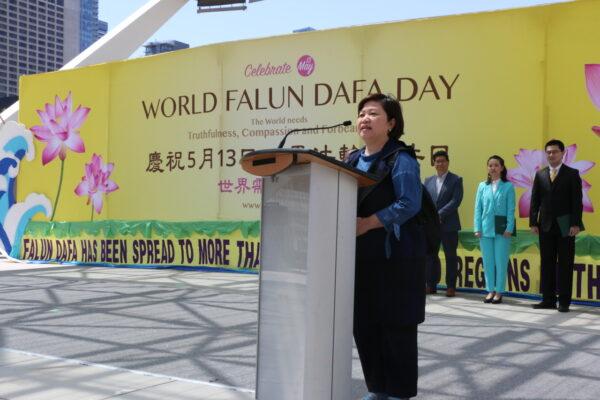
x: 392, y: 108
x: 440, y: 153
x: 555, y: 142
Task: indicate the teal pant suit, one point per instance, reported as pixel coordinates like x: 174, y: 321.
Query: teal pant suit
x: 494, y: 247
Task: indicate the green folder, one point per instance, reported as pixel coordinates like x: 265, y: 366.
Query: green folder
x: 500, y: 222
x: 564, y: 223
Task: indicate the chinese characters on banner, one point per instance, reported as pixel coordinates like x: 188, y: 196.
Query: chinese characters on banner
x: 207, y: 158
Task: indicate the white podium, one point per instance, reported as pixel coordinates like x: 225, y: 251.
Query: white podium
x: 307, y: 274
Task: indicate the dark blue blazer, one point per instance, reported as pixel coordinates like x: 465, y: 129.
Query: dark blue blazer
x: 448, y: 201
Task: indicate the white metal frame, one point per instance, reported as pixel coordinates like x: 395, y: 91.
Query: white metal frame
x: 121, y: 41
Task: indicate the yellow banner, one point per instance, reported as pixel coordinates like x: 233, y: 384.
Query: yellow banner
x: 176, y: 125
x: 524, y: 274
x: 160, y: 138
x: 230, y: 251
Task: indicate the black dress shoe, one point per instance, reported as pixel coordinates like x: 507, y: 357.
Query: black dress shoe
x: 497, y: 300
x: 563, y: 308
x: 488, y: 300
x: 545, y: 305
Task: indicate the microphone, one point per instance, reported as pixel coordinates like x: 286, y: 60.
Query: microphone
x: 345, y: 123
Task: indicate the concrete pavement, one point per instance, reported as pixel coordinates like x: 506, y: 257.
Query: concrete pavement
x: 103, y: 333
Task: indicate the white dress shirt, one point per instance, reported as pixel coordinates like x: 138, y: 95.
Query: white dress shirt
x: 439, y: 182
x: 495, y: 185
x: 556, y: 169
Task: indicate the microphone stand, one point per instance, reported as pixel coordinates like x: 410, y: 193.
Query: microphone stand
x: 345, y: 123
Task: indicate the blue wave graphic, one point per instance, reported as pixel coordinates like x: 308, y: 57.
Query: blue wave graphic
x: 16, y: 144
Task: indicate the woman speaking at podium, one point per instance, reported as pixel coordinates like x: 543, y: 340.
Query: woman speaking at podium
x: 389, y: 299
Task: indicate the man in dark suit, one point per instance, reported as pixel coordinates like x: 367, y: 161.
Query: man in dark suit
x: 555, y: 215
x: 446, y: 190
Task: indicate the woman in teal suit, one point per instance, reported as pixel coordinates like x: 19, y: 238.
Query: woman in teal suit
x: 494, y: 223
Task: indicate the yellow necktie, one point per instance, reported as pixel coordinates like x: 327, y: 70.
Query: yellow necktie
x: 552, y: 174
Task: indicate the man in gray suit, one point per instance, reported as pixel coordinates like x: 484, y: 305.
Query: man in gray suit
x: 446, y: 190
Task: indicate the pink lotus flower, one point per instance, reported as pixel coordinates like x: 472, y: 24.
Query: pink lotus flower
x: 59, y: 128
x: 592, y: 82
x: 96, y: 182
x: 530, y: 161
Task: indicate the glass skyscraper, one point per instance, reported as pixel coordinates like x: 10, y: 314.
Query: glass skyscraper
x: 42, y: 35
x: 102, y: 29
x: 31, y: 40
x: 89, y: 24
x: 158, y: 47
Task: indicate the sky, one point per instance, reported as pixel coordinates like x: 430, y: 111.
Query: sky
x: 278, y: 17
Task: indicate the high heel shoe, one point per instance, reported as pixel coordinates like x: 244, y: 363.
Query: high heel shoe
x: 489, y: 298
x: 497, y: 300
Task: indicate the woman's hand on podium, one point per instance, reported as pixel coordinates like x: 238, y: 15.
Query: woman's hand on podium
x: 364, y: 225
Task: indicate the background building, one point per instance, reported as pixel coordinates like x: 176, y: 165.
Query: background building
x: 72, y: 29
x: 42, y: 35
x: 102, y: 29
x: 307, y: 29
x: 165, y: 46
x: 90, y: 25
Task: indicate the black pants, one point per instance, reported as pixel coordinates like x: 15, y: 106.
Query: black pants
x: 449, y: 244
x: 557, y: 259
x: 389, y: 358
